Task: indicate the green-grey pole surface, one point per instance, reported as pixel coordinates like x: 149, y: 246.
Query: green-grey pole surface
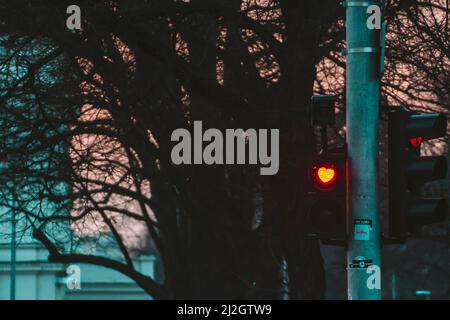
x: 362, y: 100
x: 12, y: 292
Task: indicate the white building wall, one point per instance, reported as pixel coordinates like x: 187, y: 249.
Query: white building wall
x: 37, y: 279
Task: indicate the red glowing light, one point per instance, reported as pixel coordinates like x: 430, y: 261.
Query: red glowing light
x: 416, y: 142
x: 324, y: 175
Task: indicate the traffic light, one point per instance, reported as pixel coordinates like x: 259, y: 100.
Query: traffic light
x: 328, y: 174
x: 326, y: 214
x: 408, y: 171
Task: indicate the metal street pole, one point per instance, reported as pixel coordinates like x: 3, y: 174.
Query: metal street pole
x: 363, y: 101
x: 12, y: 294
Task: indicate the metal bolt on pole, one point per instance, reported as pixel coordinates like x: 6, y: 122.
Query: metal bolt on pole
x: 363, y: 101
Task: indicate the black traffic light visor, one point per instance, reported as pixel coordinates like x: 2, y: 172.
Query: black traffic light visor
x: 426, y: 169
x: 427, y: 126
x: 423, y: 211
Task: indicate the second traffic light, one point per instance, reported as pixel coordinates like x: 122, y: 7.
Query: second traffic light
x: 408, y: 171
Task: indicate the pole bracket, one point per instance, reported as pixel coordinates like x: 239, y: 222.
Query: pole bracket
x: 361, y: 50
x: 347, y: 4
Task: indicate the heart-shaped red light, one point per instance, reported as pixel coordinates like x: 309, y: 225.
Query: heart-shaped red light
x: 416, y: 142
x: 326, y: 175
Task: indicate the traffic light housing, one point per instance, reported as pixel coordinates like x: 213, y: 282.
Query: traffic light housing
x: 327, y: 194
x: 408, y: 171
x: 328, y: 174
x: 322, y: 110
